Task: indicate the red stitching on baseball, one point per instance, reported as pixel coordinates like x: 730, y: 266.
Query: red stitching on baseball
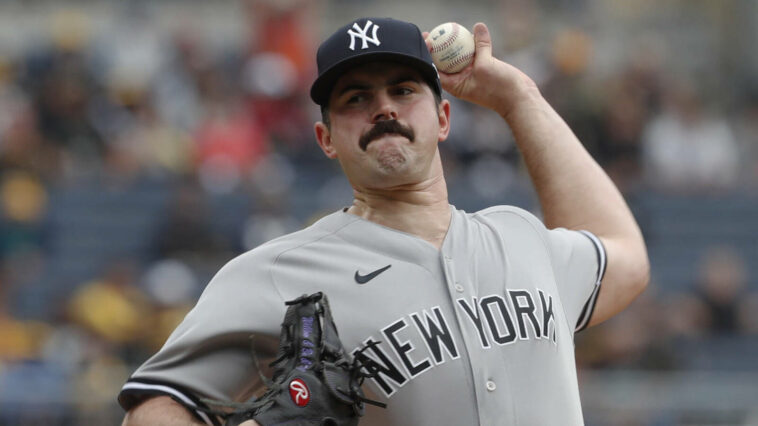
x: 459, y: 60
x: 448, y: 41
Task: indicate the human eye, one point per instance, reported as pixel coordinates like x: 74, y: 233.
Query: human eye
x: 352, y: 99
x: 355, y: 98
x: 404, y: 90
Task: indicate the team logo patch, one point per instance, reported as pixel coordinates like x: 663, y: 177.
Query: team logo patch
x: 362, y: 33
x: 299, y: 393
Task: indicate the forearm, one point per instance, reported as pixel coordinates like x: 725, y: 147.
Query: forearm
x: 160, y: 411
x: 164, y: 411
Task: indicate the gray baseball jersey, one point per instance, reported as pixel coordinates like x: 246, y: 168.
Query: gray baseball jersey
x: 478, y: 332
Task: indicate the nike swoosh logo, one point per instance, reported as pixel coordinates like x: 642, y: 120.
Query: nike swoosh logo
x: 363, y: 279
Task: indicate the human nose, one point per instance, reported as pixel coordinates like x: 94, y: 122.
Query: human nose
x: 385, y: 109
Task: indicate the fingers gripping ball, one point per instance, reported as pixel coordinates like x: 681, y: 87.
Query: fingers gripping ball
x: 314, y: 381
x: 452, y: 47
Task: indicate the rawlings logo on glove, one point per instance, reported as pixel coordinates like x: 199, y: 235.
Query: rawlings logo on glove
x: 314, y: 382
x: 299, y: 392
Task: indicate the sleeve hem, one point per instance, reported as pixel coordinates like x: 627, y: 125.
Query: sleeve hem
x: 135, y: 390
x: 589, y: 306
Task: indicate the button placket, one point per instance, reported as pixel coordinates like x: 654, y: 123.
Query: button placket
x: 450, y: 273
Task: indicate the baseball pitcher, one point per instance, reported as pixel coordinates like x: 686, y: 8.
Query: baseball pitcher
x: 435, y: 316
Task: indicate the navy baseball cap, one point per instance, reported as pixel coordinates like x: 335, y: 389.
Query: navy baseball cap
x: 371, y: 39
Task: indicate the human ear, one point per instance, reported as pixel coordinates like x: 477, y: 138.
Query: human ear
x: 443, y: 114
x: 324, y: 138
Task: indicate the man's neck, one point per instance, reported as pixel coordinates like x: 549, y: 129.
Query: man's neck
x: 423, y: 210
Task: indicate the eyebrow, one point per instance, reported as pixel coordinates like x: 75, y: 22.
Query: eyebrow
x: 403, y: 78
x: 352, y: 86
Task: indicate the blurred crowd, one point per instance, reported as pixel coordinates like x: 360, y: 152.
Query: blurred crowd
x: 221, y: 136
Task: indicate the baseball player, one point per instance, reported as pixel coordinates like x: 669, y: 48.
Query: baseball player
x: 469, y: 318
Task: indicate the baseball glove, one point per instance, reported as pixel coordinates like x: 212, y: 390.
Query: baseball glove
x: 314, y: 381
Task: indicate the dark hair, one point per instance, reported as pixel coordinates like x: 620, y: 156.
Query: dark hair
x: 325, y: 109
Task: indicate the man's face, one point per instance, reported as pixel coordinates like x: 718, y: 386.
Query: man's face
x: 385, y: 126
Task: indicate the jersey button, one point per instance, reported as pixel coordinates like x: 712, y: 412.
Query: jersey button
x: 459, y: 288
x: 491, y: 386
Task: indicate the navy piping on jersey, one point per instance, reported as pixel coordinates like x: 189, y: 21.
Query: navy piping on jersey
x: 589, y: 307
x: 134, y: 389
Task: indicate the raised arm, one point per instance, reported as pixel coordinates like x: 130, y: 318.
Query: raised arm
x: 574, y: 191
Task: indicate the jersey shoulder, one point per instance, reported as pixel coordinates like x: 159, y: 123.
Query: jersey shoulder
x: 316, y: 233
x: 511, y: 216
x: 256, y: 264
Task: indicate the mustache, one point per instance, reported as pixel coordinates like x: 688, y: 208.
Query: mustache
x: 383, y: 128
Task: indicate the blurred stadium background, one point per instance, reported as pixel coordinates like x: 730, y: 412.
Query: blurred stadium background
x: 143, y: 144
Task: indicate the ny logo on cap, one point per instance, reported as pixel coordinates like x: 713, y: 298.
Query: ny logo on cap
x: 362, y: 33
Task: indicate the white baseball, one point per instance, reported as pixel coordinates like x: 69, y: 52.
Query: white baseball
x: 452, y: 47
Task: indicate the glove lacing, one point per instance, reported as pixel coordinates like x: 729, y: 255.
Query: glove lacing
x: 359, y: 369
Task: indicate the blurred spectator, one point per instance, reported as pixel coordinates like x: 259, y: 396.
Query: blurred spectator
x: 174, y: 87
x: 689, y: 147
x: 567, y: 87
x: 278, y: 69
x: 96, y: 384
x: 686, y: 316
x: 154, y: 146
x: 173, y: 288
x: 229, y: 141
x: 722, y: 282
x: 62, y: 86
x: 23, y: 206
x: 21, y: 144
x: 272, y: 180
x: 718, y: 304
x: 277, y: 103
x: 262, y: 227
x: 132, y: 49
x: 21, y: 340
x: 746, y: 133
x: 170, y: 282
x: 491, y: 177
x: 629, y: 99
x: 112, y: 307
x: 285, y: 28
x: 637, y: 338
x: 186, y: 232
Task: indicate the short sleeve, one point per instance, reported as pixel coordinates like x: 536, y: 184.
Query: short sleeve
x: 579, y: 261
x: 208, y: 354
